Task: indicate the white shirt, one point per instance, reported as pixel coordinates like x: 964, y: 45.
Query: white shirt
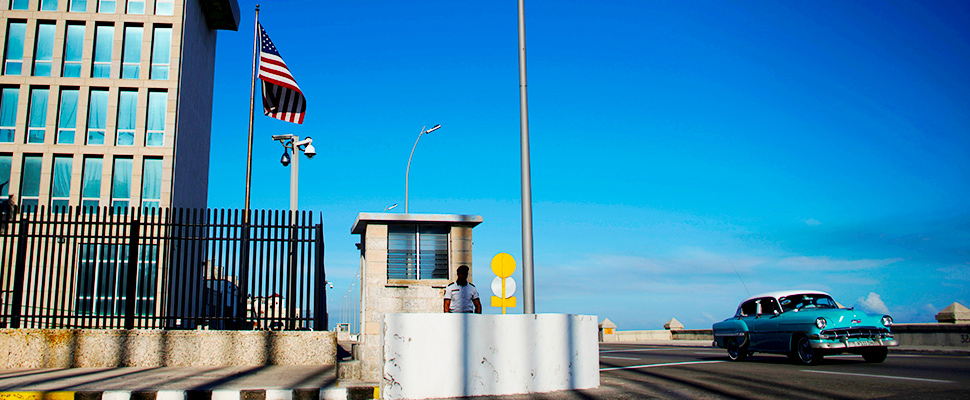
x: 461, y: 297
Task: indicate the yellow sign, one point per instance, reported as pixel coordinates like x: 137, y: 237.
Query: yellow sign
x: 500, y: 302
x: 503, y: 265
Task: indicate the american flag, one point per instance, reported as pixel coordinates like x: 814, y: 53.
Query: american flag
x: 282, y: 98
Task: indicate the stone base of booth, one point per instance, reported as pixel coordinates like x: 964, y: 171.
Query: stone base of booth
x: 454, y: 355
x: 67, y: 348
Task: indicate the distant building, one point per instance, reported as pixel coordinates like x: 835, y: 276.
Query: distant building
x: 108, y: 103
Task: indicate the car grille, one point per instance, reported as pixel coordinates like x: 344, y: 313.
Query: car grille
x: 855, y: 333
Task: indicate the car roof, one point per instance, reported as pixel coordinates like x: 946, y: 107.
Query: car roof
x: 784, y: 293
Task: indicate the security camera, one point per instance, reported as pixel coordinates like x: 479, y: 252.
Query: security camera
x: 282, y: 137
x: 310, y: 151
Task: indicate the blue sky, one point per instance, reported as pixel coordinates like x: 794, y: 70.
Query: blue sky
x: 676, y: 145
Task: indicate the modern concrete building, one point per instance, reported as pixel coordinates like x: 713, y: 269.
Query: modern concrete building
x: 407, y: 261
x: 108, y: 103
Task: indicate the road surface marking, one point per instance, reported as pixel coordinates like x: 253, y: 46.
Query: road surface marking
x: 660, y: 365
x: 877, y: 376
x: 620, y: 358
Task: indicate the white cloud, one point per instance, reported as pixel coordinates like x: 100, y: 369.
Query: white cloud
x: 812, y: 222
x: 831, y: 264
x: 873, y: 304
x: 956, y: 272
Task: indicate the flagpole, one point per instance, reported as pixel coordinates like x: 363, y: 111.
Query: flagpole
x: 252, y: 102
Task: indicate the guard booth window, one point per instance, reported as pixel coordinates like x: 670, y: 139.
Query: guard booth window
x: 417, y: 252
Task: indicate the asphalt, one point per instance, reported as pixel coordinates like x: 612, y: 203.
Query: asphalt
x: 275, y: 382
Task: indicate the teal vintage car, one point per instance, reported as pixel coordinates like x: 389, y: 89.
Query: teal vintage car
x: 806, y: 325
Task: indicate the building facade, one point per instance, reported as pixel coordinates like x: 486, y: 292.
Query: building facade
x: 108, y: 103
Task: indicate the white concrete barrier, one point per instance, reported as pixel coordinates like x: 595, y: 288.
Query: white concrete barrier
x: 451, y: 355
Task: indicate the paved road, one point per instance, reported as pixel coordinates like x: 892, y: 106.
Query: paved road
x: 629, y: 371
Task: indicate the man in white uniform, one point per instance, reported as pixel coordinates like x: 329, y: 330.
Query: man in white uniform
x: 461, y: 296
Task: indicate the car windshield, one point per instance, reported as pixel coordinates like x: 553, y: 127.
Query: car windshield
x: 800, y: 301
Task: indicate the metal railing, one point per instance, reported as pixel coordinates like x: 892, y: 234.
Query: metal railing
x: 162, y: 269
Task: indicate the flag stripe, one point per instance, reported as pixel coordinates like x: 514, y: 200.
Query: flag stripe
x: 282, y: 97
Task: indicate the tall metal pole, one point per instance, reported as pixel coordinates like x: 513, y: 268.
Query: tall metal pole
x: 294, y: 174
x: 407, y: 174
x: 252, y: 102
x: 528, y: 286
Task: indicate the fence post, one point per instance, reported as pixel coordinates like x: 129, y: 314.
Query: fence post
x: 20, y: 270
x: 291, y: 275
x: 321, y: 318
x: 241, y: 299
x: 132, y: 273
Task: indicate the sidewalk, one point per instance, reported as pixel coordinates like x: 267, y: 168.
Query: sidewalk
x: 273, y: 382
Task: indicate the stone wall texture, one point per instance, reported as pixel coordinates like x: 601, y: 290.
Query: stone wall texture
x: 77, y: 348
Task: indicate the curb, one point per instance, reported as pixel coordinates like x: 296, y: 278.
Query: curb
x: 348, y: 393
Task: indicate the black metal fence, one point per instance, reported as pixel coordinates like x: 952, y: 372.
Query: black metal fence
x: 162, y: 269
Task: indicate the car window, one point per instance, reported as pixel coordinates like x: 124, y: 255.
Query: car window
x: 769, y: 306
x: 749, y: 307
x: 802, y: 301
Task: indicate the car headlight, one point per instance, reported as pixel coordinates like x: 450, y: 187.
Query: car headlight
x: 887, y: 320
x: 820, y: 322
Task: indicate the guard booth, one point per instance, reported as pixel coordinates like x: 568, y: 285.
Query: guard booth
x: 406, y: 260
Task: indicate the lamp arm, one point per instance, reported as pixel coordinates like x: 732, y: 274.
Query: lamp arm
x: 407, y: 174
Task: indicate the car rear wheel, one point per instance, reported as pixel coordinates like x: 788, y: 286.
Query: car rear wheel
x: 876, y: 355
x: 804, y: 353
x: 735, y: 351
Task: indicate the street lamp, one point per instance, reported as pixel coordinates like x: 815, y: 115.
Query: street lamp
x: 290, y: 144
x: 408, y: 173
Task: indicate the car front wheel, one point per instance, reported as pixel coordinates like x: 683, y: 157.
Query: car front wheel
x: 804, y: 353
x: 876, y: 355
x: 735, y: 351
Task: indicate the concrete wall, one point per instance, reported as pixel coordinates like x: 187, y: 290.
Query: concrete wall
x: 637, y: 336
x: 955, y: 336
x: 67, y: 348
x: 451, y: 355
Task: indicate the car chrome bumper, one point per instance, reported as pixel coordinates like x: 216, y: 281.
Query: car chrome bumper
x: 842, y: 344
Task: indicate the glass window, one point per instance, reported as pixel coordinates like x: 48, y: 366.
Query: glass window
x: 97, y: 116
x: 155, y: 131
x: 37, y: 118
x: 48, y: 5
x: 5, y: 160
x: 131, y: 57
x: 14, y: 51
x: 73, y: 49
x: 8, y: 113
x: 67, y: 116
x: 164, y: 7
x: 91, y: 184
x: 161, y: 52
x: 19, y: 4
x: 106, y: 6
x: 61, y: 183
x: 44, y: 49
x: 136, y: 6
x: 121, y: 185
x: 30, y: 182
x: 417, y: 252
x: 151, y: 184
x: 103, y: 40
x: 78, y: 5
x: 127, y: 111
